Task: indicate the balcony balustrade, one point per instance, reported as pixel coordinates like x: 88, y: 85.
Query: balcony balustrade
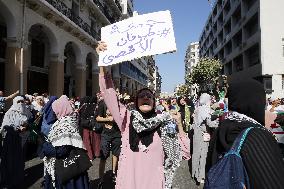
x: 129, y: 11
x: 61, y: 7
x: 104, y: 10
x: 118, y: 5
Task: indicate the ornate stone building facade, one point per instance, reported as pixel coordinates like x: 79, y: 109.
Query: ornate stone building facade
x: 49, y: 46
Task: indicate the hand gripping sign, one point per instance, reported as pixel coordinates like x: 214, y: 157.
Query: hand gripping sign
x: 138, y: 36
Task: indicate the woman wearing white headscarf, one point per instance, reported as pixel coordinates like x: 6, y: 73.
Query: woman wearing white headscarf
x: 14, y: 136
x: 201, y: 122
x: 39, y: 104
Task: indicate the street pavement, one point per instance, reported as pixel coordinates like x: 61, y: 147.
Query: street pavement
x: 34, y: 175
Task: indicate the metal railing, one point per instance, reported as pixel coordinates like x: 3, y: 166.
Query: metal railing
x: 129, y: 11
x: 104, y: 10
x: 61, y: 7
x: 118, y: 5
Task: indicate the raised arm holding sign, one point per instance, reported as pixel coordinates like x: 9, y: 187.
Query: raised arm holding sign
x: 142, y: 35
x: 148, y: 163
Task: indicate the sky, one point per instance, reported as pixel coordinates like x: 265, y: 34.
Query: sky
x: 189, y: 17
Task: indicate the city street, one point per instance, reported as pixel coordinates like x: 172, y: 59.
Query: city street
x: 149, y: 82
x: 34, y: 174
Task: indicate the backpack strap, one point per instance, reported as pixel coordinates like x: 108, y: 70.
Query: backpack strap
x: 238, y: 143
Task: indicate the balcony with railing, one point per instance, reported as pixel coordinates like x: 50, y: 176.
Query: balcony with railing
x: 129, y: 11
x: 104, y: 10
x: 61, y: 7
x: 118, y: 5
x: 99, y: 5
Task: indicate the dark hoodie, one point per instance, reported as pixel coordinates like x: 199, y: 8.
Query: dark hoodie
x: 260, y: 152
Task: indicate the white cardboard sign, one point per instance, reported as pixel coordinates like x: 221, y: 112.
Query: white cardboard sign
x: 138, y: 36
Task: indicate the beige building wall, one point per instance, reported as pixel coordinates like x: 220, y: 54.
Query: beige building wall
x: 67, y: 44
x: 272, y: 43
x: 60, y: 31
x: 56, y: 78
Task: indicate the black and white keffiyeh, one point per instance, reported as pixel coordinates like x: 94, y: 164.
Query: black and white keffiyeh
x: 170, y: 144
x: 63, y: 132
x: 238, y: 117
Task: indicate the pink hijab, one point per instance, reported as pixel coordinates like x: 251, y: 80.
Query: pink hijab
x: 62, y: 107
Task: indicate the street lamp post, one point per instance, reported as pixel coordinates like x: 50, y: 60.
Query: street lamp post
x: 22, y: 49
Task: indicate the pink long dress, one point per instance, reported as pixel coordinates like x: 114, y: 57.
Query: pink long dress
x: 136, y: 170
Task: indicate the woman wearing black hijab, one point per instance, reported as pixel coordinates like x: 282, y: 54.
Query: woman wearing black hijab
x: 184, y: 110
x: 151, y: 147
x: 260, y: 152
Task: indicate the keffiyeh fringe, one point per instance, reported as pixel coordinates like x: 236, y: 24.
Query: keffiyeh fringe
x: 235, y: 116
x: 49, y: 168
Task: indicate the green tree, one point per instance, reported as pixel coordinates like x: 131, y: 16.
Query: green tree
x: 204, y: 74
x: 182, y: 90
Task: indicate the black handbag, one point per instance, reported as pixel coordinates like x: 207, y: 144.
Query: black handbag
x: 75, y: 164
x: 86, y: 123
x: 97, y: 127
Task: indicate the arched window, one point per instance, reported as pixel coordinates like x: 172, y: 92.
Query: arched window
x: 38, y: 53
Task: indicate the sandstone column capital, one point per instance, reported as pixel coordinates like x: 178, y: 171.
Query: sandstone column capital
x: 57, y: 58
x: 80, y: 66
x: 95, y: 70
x: 16, y: 42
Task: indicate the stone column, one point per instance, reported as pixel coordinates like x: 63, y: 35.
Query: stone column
x: 139, y: 86
x: 12, y: 66
x: 116, y: 82
x: 134, y: 88
x: 129, y: 86
x: 80, y: 80
x: 124, y: 89
x: 56, y: 75
x: 95, y: 81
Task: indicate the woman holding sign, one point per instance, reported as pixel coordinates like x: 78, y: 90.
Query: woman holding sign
x: 151, y: 146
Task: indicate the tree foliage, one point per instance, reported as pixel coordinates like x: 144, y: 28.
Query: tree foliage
x: 205, y: 72
x: 183, y: 90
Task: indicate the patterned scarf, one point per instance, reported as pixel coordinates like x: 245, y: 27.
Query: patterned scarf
x: 170, y: 144
x: 235, y: 116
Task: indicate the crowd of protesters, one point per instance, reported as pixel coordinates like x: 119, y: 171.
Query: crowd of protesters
x: 146, y: 136
x: 59, y: 125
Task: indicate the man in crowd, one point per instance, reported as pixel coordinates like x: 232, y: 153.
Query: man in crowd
x: 274, y: 106
x: 110, y: 141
